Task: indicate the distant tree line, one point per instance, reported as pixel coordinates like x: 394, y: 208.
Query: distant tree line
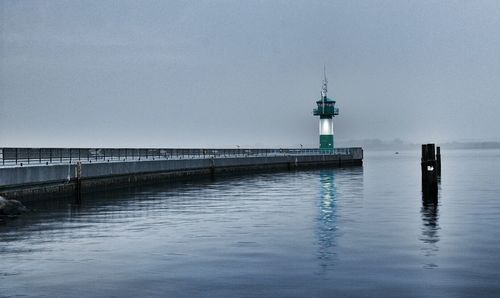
x: 398, y: 144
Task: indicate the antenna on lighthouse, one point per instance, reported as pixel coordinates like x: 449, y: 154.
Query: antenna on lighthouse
x: 325, y: 83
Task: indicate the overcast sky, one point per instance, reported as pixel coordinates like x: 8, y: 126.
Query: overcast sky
x: 227, y: 73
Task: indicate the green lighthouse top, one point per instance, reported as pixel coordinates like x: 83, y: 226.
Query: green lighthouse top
x: 326, y: 106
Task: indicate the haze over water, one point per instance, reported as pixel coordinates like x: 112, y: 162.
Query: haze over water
x: 349, y: 231
x: 248, y: 73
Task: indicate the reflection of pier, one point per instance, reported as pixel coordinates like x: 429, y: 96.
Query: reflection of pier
x: 430, y: 227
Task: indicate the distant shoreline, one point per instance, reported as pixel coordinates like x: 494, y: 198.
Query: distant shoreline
x: 399, y: 145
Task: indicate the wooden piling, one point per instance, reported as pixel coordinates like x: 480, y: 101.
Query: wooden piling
x: 429, y: 169
x: 438, y: 161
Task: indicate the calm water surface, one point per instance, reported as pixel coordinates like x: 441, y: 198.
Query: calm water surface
x: 360, y: 231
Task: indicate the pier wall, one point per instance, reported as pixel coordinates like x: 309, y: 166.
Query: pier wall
x: 28, y: 183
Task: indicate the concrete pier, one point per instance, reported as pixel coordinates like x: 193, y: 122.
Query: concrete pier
x: 29, y: 182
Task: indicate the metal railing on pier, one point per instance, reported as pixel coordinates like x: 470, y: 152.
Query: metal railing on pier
x: 46, y: 156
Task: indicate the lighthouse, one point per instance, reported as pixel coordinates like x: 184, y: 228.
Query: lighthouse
x: 326, y: 110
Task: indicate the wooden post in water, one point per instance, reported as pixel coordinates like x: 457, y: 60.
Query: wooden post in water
x: 429, y: 169
x: 438, y: 161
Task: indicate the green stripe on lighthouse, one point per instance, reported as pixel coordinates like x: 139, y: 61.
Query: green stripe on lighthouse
x: 326, y: 142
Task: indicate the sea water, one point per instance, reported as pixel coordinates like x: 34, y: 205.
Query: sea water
x: 357, y: 231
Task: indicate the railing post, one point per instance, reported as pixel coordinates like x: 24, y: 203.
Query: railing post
x: 70, y: 155
x: 78, y: 182
x: 28, y: 154
x: 50, y: 155
x: 16, y: 156
x: 39, y: 155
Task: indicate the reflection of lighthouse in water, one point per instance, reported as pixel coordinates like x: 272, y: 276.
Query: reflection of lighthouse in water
x: 327, y: 219
x: 339, y: 190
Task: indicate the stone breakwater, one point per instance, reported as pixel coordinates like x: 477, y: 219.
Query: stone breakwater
x: 11, y: 208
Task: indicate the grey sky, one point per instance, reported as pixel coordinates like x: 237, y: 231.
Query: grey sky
x: 222, y: 73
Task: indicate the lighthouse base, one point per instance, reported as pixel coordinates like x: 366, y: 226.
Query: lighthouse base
x: 326, y: 142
